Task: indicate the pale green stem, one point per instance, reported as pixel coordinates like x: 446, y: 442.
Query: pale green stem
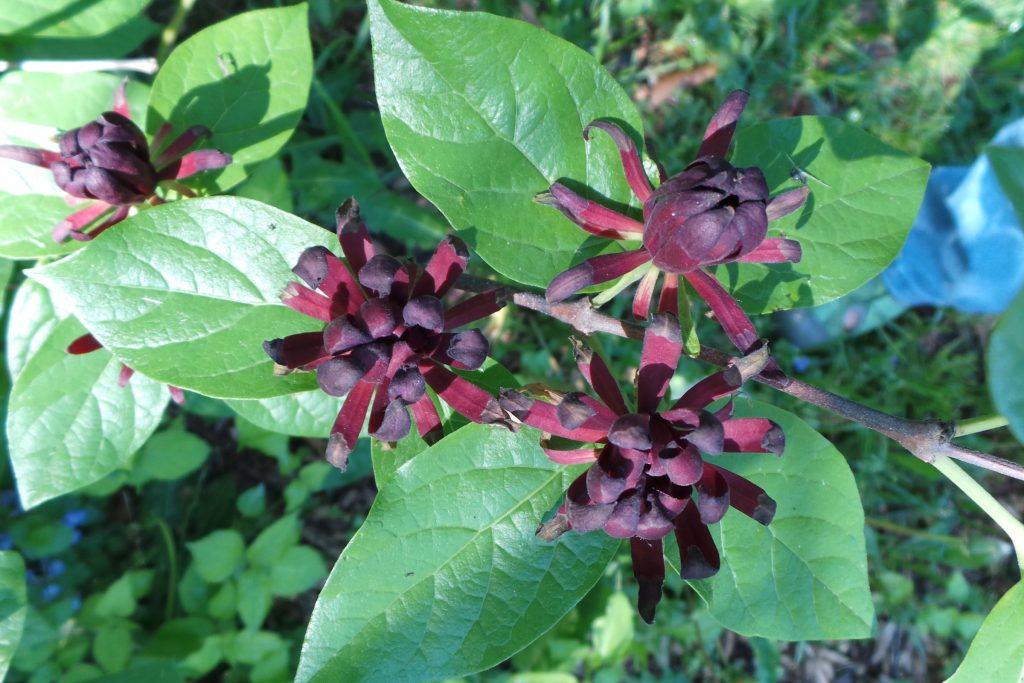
x: 347, y: 137
x: 624, y: 281
x: 170, y: 33
x: 979, y: 424
x: 992, y: 507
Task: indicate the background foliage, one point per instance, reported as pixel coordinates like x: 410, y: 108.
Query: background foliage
x: 208, y: 544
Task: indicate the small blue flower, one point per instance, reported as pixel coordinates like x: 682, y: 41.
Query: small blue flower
x: 76, y: 603
x: 51, y: 592
x: 801, y: 364
x: 76, y: 536
x: 53, y: 568
x: 31, y: 578
x: 6, y: 542
x: 75, y: 518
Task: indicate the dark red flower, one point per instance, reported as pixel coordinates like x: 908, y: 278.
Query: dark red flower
x: 109, y: 163
x: 88, y: 343
x: 388, y: 337
x: 647, y: 461
x: 711, y: 213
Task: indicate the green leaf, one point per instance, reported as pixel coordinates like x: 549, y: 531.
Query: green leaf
x: 1008, y: 164
x: 160, y: 671
x: 483, y: 113
x: 304, y: 413
x: 613, y: 631
x: 298, y: 570
x: 112, y: 648
x: 256, y: 595
x: 250, y: 93
x: 272, y: 543
x: 170, y: 455
x: 864, y: 197
x: 997, y: 653
x: 69, y: 423
x: 13, y: 606
x: 6, y: 271
x: 118, y: 600
x: 804, y: 576
x: 67, y: 18
x: 223, y: 603
x: 253, y: 501
x: 217, y: 555
x: 63, y: 101
x: 1006, y: 365
x: 188, y: 291
x: 447, y: 559
x: 26, y: 226
x: 32, y: 317
x: 268, y: 183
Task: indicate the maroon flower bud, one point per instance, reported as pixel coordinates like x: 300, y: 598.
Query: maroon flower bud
x: 387, y: 338
x: 646, y: 463
x: 711, y: 213
x: 109, y: 161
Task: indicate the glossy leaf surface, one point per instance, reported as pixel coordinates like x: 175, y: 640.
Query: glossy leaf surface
x: 250, y: 93
x: 446, y: 574
x: 187, y: 292
x: 864, y: 197
x: 804, y: 576
x: 69, y: 424
x: 483, y: 113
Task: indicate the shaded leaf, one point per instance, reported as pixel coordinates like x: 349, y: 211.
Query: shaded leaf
x: 13, y: 606
x: 69, y: 423
x: 250, y: 93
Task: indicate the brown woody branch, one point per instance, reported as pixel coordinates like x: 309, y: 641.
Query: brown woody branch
x: 926, y: 440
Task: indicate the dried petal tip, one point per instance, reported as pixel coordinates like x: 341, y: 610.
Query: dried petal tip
x: 337, y: 376
x: 774, y: 440
x: 764, y: 513
x: 648, y: 599
x: 554, y: 527
x: 515, y: 403
x: 346, y: 214
x: 469, y: 349
x: 407, y: 385
x: 396, y: 423
x: 312, y: 265
x: 427, y: 311
x: 337, y: 451
x: 631, y: 431
x: 572, y: 411
x: 379, y: 273
x: 341, y: 335
x: 272, y: 347
x: 694, y: 566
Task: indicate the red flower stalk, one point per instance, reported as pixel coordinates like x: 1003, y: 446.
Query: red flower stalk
x: 388, y: 337
x: 711, y: 213
x: 88, y: 343
x: 109, y: 162
x: 647, y: 462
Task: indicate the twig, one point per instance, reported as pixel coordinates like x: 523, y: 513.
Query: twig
x: 145, y: 65
x: 170, y: 33
x: 926, y: 440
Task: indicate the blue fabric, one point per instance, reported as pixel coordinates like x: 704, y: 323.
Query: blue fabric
x: 966, y: 249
